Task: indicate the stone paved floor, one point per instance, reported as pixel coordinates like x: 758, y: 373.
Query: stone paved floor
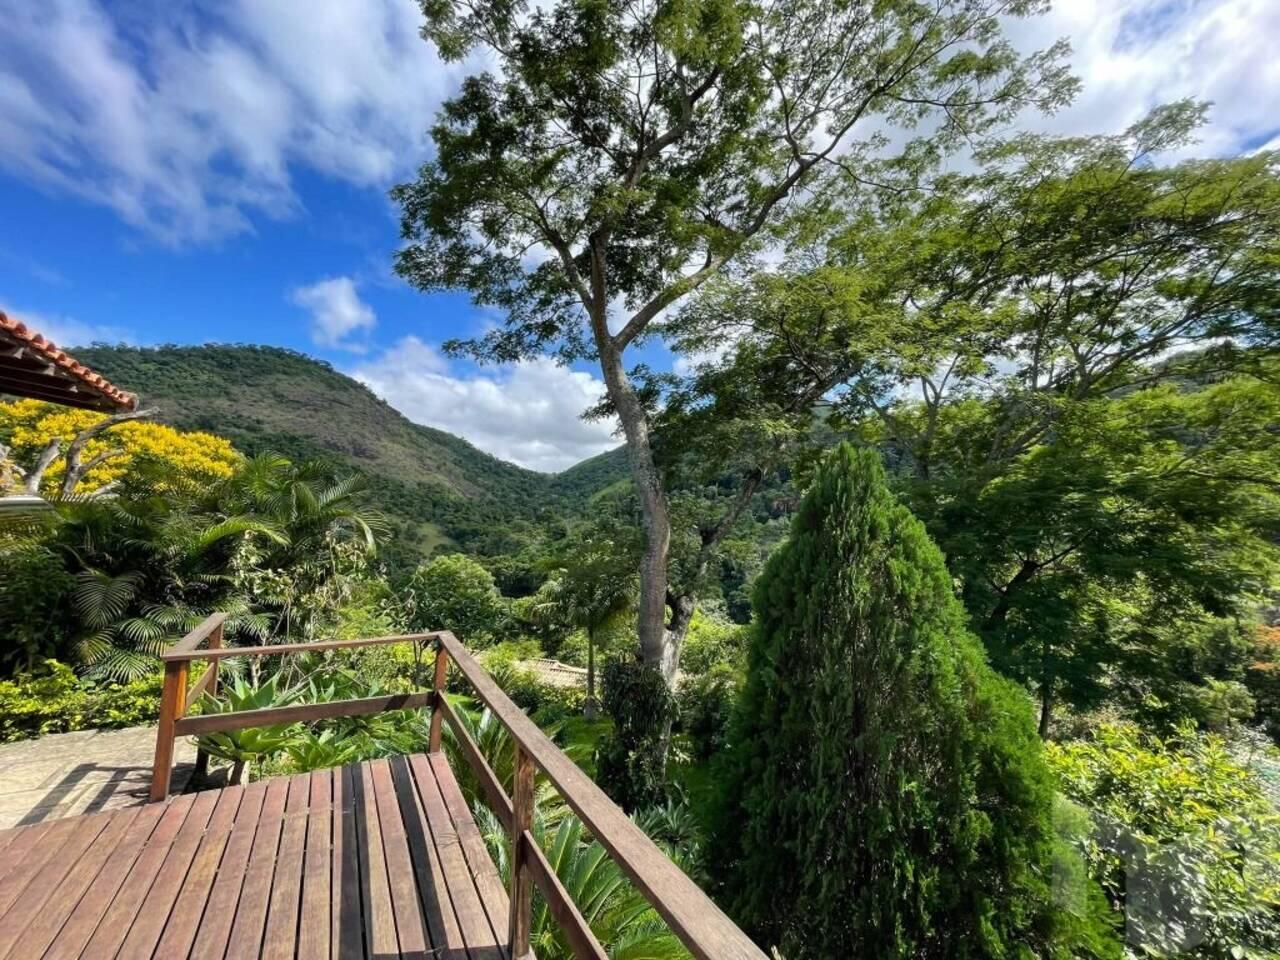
x: 64, y: 774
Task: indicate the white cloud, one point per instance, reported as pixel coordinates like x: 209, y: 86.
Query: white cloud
x: 189, y: 119
x: 187, y: 122
x: 528, y: 413
x: 337, y: 312
x: 1136, y: 54
x: 67, y: 331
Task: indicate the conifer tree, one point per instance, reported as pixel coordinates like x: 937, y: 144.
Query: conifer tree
x: 884, y: 795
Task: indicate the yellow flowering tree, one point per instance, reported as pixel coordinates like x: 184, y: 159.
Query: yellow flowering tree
x: 28, y: 427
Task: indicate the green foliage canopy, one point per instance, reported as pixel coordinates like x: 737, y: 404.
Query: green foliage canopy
x: 454, y: 592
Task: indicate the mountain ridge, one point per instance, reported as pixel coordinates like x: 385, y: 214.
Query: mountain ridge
x: 438, y: 488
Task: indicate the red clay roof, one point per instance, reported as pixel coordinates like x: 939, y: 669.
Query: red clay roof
x: 36, y: 367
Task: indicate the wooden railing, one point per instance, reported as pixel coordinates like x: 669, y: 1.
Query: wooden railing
x: 701, y: 926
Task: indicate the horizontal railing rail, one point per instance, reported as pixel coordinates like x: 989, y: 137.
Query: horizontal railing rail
x: 700, y: 925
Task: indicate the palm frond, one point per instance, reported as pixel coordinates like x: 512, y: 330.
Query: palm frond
x: 100, y: 598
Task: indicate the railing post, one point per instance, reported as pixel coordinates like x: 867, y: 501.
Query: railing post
x: 438, y: 685
x: 173, y: 702
x: 201, y: 772
x: 521, y: 879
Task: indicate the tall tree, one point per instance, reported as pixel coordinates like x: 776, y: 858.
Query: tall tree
x: 1065, y: 357
x: 620, y: 155
x: 884, y: 794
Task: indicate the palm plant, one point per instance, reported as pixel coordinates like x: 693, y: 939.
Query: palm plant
x: 147, y: 570
x: 326, y: 532
x: 498, y: 749
x: 310, y: 505
x: 153, y: 561
x: 596, y: 590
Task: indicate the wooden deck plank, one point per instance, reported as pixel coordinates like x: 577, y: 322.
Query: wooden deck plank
x: 347, y: 931
x: 128, y: 900
x: 481, y: 939
x: 314, y: 926
x: 281, y: 933
x: 410, y: 928
x: 483, y: 870
x: 74, y: 934
x: 251, y: 911
x: 149, y: 924
x: 379, y: 859
x: 189, y: 906
x: 28, y: 861
x: 442, y: 922
x: 220, y: 909
x: 38, y: 913
x: 379, y: 920
x: 25, y: 839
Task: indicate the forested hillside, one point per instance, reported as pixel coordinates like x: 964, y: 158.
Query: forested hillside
x: 435, y: 487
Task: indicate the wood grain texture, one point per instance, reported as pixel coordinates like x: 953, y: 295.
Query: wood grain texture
x: 521, y: 878
x: 442, y: 922
x: 43, y: 884
x: 255, y: 893
x: 280, y: 937
x: 314, y: 925
x: 50, y: 920
x: 497, y: 798
x: 220, y: 910
x: 346, y: 923
x: 276, y: 649
x: 77, y: 929
x: 411, y: 930
x: 379, y: 921
x: 300, y: 713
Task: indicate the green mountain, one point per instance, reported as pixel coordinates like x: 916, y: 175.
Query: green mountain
x: 582, y: 480
x: 436, y: 488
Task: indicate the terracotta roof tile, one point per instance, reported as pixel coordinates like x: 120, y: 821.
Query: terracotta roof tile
x: 52, y: 353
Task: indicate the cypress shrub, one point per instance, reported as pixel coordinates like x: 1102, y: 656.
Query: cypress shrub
x: 884, y: 793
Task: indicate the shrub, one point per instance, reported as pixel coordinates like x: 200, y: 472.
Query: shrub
x: 631, y: 764
x: 33, y: 606
x: 712, y: 641
x: 883, y: 783
x: 706, y: 707
x: 1184, y: 843
x: 52, y: 699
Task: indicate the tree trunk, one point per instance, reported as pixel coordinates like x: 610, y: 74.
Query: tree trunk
x: 1046, y: 705
x: 682, y: 609
x: 589, y: 709
x: 1000, y: 612
x: 237, y: 773
x: 656, y: 648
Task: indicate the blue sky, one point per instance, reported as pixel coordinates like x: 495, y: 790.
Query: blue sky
x: 184, y: 172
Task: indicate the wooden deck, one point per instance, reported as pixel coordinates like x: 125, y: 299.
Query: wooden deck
x: 376, y: 860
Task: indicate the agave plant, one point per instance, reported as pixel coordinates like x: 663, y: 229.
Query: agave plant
x: 309, y: 750
x: 251, y: 743
x: 624, y: 922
